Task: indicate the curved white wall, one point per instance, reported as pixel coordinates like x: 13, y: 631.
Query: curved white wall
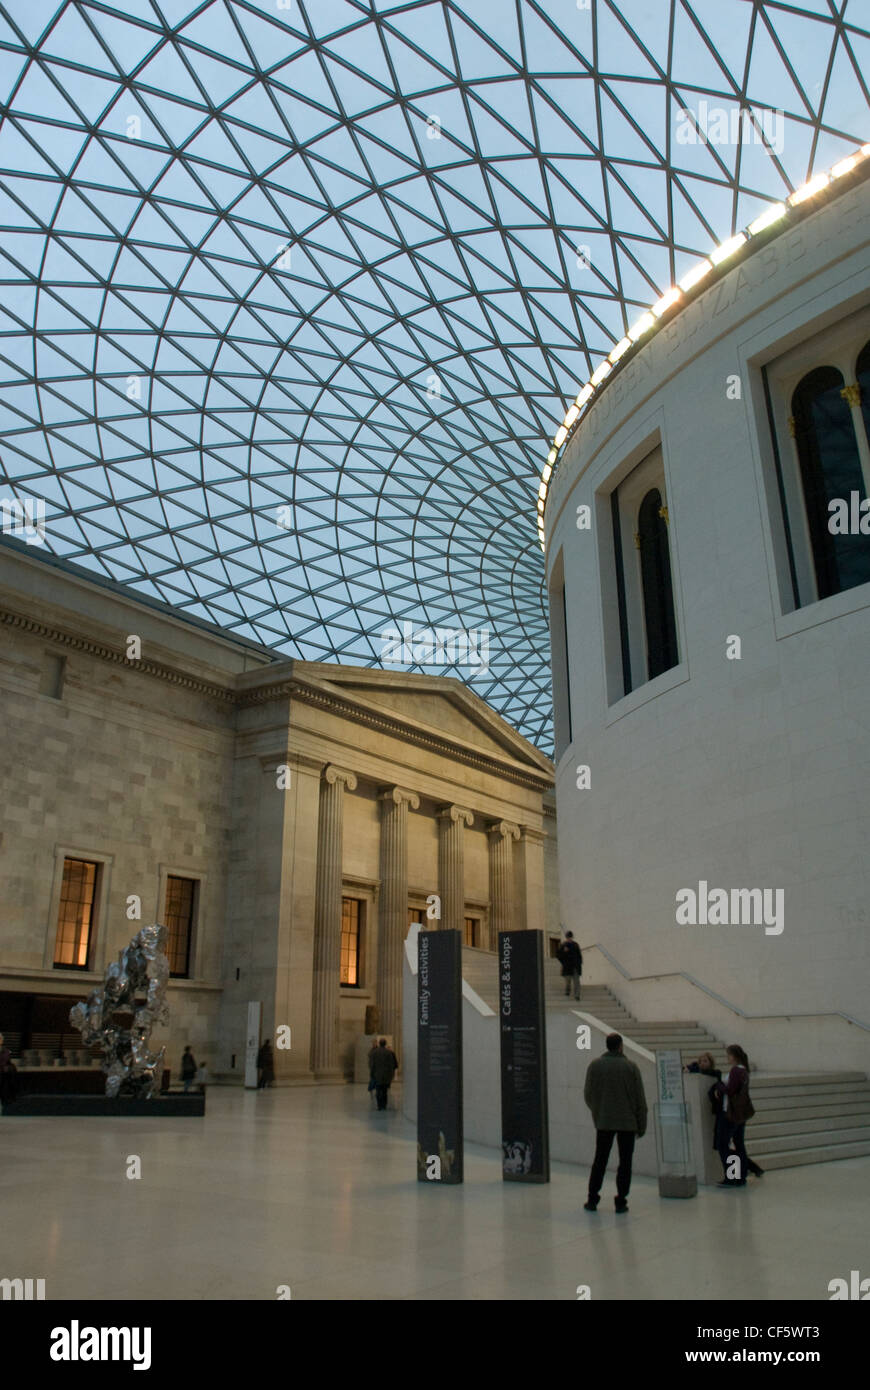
x: 742, y: 773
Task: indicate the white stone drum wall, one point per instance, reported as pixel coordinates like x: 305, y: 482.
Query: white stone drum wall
x: 749, y: 773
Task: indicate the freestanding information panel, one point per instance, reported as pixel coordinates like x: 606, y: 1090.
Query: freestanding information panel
x: 439, y: 1056
x: 524, y: 1121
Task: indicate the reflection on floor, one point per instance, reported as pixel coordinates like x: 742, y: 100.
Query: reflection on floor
x: 311, y: 1189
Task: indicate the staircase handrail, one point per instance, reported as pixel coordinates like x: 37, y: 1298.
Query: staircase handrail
x: 735, y: 1009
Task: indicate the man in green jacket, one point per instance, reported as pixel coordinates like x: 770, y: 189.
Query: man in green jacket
x: 614, y: 1094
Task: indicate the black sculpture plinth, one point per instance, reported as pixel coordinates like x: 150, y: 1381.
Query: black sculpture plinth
x: 159, y: 1107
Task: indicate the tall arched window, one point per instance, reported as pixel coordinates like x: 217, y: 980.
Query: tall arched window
x: 830, y: 470
x: 658, y: 594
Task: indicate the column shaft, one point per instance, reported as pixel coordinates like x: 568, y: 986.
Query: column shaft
x: 327, y: 924
x: 451, y: 866
x: 501, y: 878
x: 393, y: 915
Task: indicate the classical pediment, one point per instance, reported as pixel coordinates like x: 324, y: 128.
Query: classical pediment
x: 433, y: 704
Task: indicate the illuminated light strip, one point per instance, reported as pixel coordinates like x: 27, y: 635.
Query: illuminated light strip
x: 809, y: 190
x: 728, y: 248
x: 662, y: 305
x: 845, y: 166
x: 767, y: 219
x: 643, y: 325
x: 695, y: 276
x: 675, y: 294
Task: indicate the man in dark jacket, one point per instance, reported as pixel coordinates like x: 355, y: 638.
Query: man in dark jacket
x: 614, y: 1094
x: 570, y: 955
x: 383, y: 1065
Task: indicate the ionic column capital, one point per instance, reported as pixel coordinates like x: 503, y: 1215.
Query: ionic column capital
x: 335, y: 774
x: 398, y: 795
x: 455, y: 814
x: 502, y: 830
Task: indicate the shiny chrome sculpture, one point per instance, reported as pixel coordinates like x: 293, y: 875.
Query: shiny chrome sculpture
x: 141, y: 968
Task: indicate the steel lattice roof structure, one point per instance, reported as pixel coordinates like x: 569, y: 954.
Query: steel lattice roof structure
x: 295, y: 292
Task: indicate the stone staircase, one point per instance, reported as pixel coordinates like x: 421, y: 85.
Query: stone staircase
x: 813, y: 1117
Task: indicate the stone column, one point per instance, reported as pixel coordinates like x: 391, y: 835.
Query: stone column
x: 393, y: 916
x: 531, y: 911
x: 451, y: 866
x: 501, y: 878
x: 327, y: 925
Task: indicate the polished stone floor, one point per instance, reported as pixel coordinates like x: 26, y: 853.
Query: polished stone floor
x: 311, y: 1189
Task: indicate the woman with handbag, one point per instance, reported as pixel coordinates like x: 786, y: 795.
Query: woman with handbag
x: 737, y: 1109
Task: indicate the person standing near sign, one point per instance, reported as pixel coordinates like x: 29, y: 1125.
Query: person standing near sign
x: 615, y: 1095
x: 737, y: 1108
x: 571, y: 956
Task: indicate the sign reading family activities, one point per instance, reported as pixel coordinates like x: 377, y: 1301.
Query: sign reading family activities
x: 439, y: 1056
x: 524, y: 1121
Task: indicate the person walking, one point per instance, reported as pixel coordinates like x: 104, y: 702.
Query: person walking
x: 571, y: 956
x: 737, y: 1109
x: 188, y: 1069
x: 265, y: 1066
x: 614, y: 1093
x: 384, y: 1065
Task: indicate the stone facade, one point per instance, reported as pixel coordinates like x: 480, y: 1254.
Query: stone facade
x: 280, y: 787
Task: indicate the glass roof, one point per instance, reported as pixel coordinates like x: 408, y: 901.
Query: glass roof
x: 296, y: 292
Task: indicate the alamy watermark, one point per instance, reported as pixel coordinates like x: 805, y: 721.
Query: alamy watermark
x: 721, y: 125
x: 24, y: 519
x: 849, y: 517
x: 739, y: 907
x: 440, y: 646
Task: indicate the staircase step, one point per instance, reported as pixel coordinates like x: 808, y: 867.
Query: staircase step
x: 836, y: 1137
x: 824, y: 1153
x: 765, y: 1127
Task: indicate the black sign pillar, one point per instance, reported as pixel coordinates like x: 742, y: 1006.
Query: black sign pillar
x: 524, y: 1121
x: 439, y: 1056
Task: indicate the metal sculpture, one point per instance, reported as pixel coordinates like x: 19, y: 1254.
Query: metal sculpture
x: 141, y: 968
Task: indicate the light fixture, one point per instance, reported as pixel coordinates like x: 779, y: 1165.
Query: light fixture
x: 845, y: 166
x: 695, y: 275
x: 644, y: 323
x: 601, y: 373
x: 584, y: 394
x: 767, y: 218
x: 621, y: 348
x: 560, y: 436
x: 571, y: 416
x: 728, y: 248
x: 662, y: 305
x: 809, y: 190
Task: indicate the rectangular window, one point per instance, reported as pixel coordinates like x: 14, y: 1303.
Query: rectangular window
x: 178, y: 917
x: 75, y: 915
x: 351, y: 917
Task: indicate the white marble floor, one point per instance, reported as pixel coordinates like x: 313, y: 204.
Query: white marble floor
x: 309, y: 1188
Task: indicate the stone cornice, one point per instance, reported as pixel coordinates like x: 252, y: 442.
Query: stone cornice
x: 284, y: 688
x: 118, y: 658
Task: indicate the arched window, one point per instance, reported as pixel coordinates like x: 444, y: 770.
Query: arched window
x: 830, y: 471
x: 658, y: 594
